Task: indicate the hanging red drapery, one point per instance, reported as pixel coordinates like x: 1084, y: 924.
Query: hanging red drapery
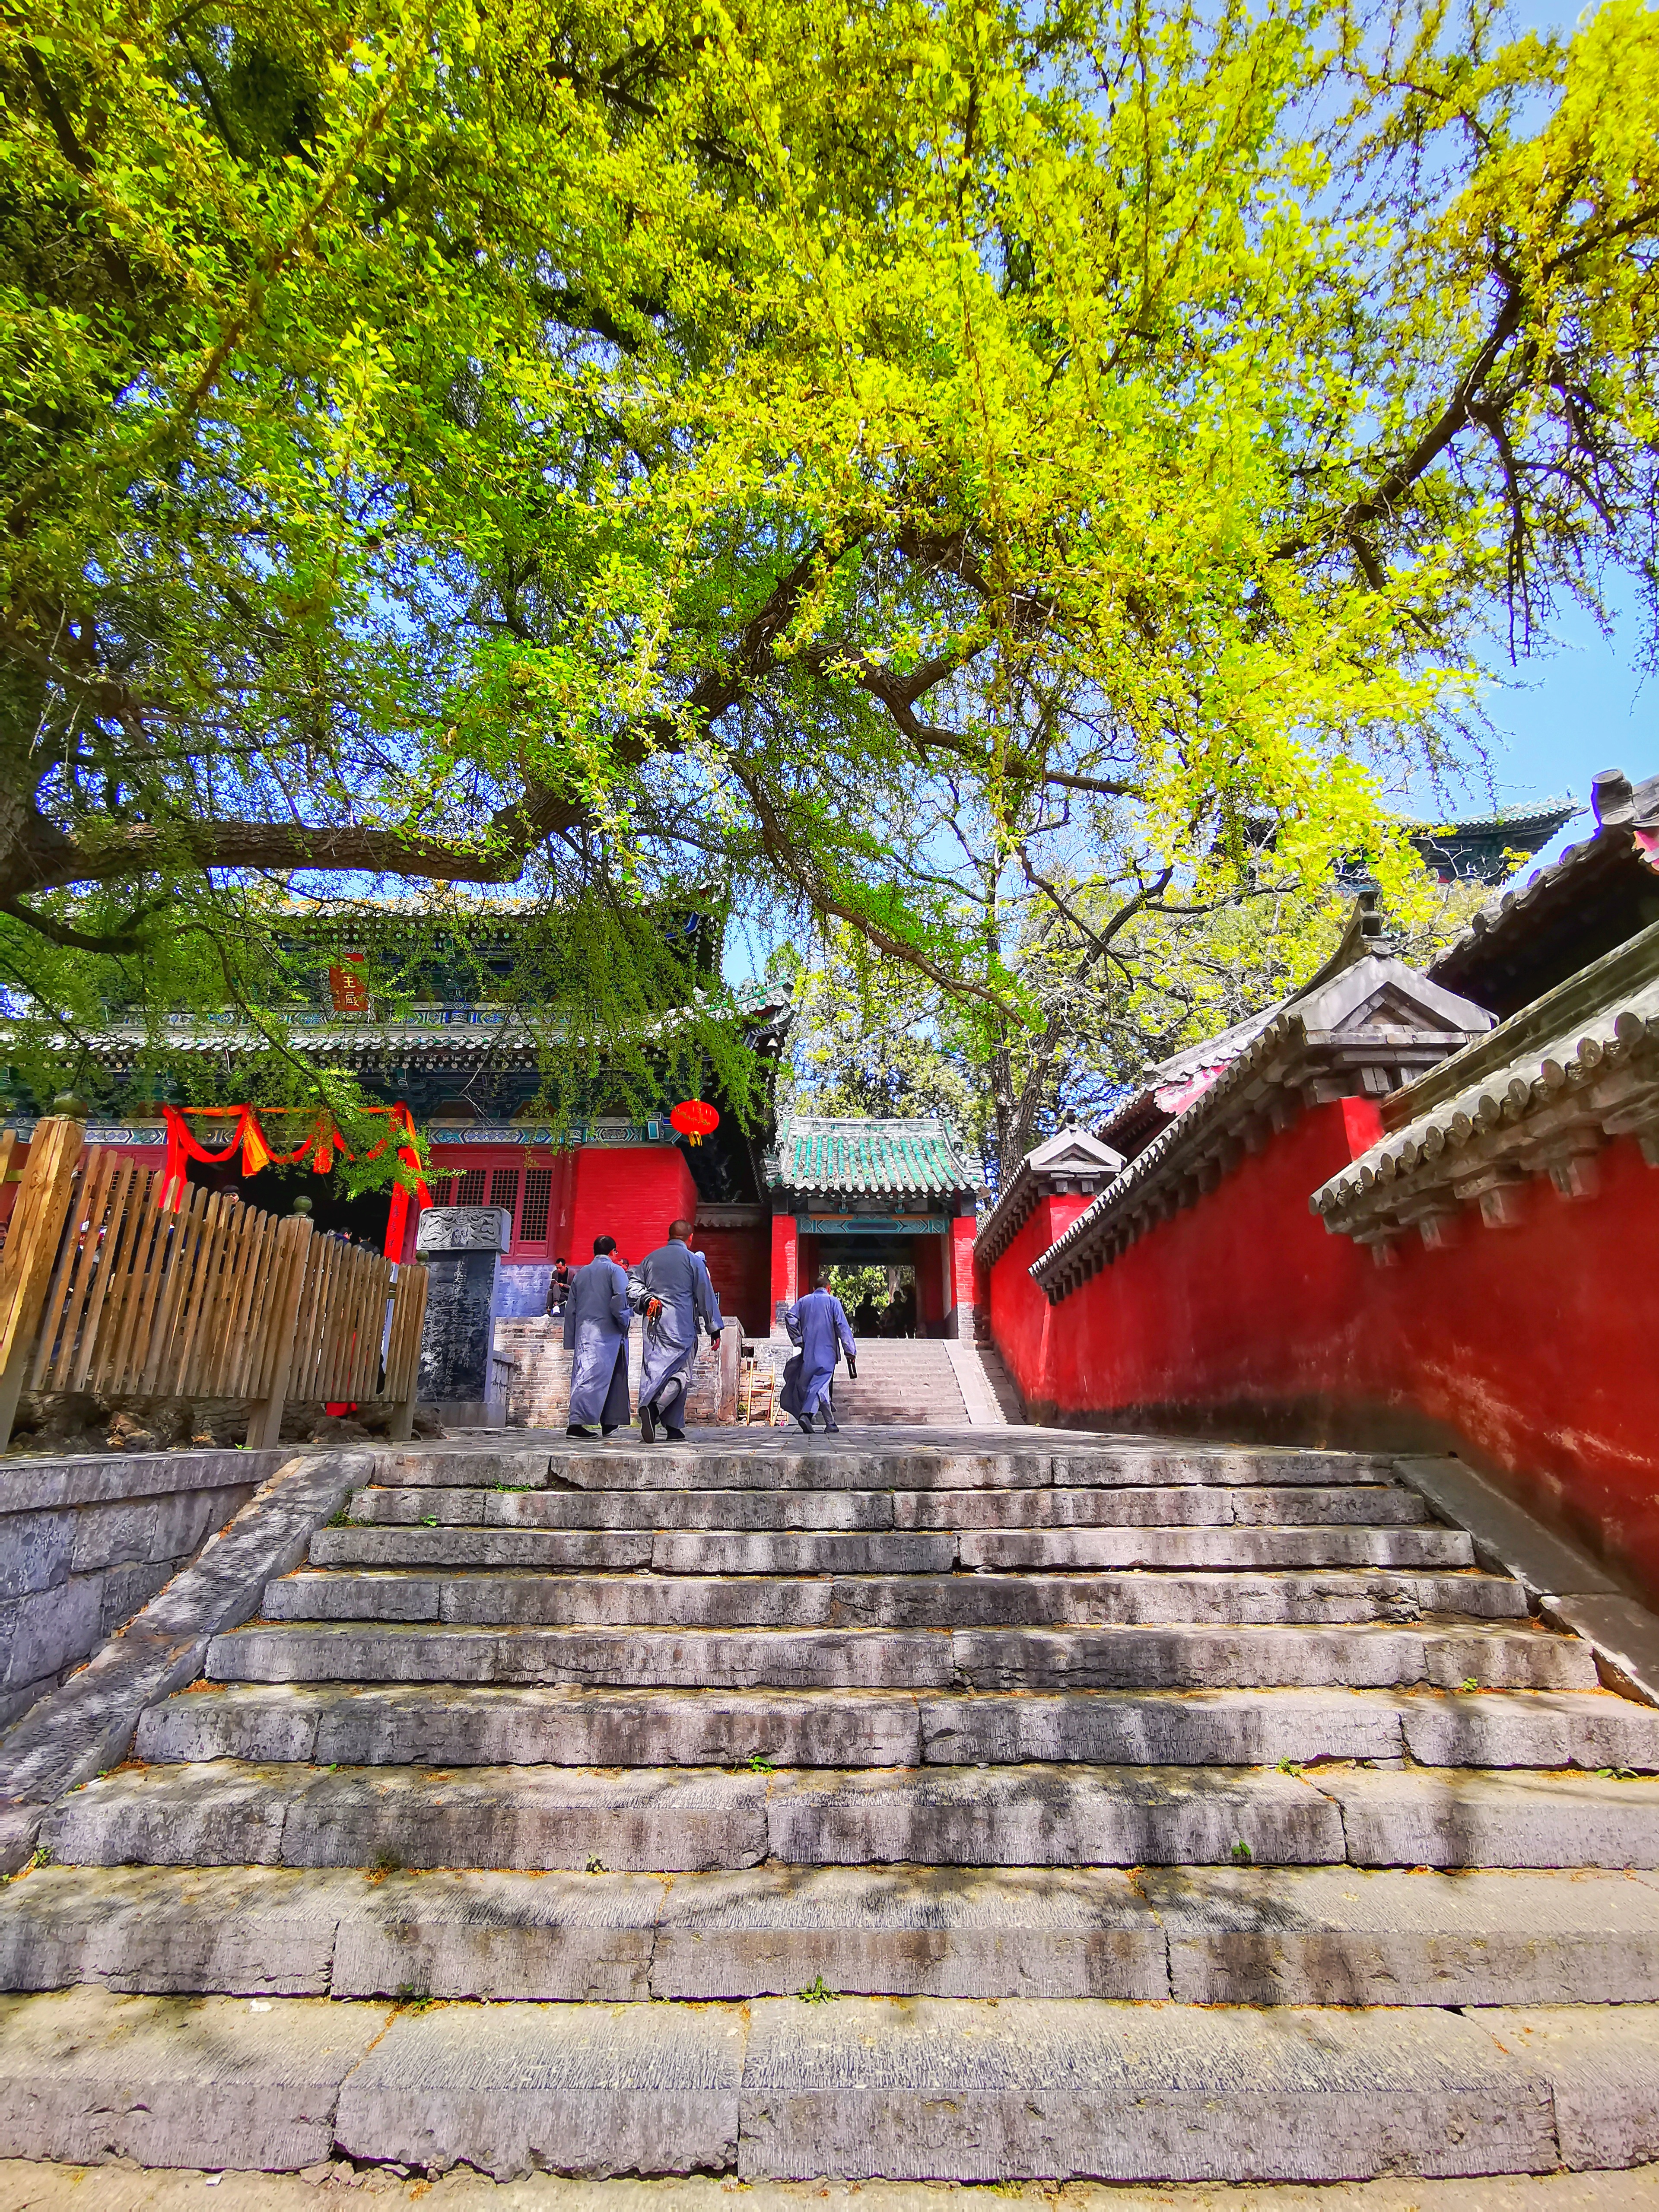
x: 322, y: 1142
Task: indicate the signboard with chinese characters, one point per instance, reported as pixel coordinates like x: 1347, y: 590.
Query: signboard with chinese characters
x: 540, y: 1133
x: 871, y: 1224
x: 348, y: 987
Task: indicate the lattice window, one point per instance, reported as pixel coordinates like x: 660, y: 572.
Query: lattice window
x: 538, y: 1203
x: 470, y: 1187
x: 504, y: 1190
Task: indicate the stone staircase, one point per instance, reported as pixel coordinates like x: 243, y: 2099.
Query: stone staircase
x: 927, y: 1805
x: 925, y: 1382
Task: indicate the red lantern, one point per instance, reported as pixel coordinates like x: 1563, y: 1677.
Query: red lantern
x: 695, y: 1118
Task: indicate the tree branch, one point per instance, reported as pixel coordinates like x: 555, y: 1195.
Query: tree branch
x: 1379, y: 503
x: 124, y: 939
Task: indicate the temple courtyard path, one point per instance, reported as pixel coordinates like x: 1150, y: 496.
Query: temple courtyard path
x: 27, y: 2187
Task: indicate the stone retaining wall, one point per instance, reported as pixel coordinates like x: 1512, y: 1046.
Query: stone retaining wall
x: 86, y: 1543
x: 537, y: 1389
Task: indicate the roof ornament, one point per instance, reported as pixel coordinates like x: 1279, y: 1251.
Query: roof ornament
x: 1366, y: 931
x: 1612, y: 795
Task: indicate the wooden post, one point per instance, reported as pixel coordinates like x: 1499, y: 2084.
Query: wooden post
x: 32, y: 1241
x: 265, y: 1426
x: 730, y: 1370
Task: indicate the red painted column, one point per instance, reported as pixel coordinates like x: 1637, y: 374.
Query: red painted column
x: 558, y: 1209
x: 960, y: 1284
x: 786, y: 1263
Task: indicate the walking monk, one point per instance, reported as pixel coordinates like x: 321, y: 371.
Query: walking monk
x: 596, y: 1320
x: 671, y: 1286
x: 818, y: 1324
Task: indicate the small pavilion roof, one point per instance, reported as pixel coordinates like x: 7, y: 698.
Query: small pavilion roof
x: 913, y: 1158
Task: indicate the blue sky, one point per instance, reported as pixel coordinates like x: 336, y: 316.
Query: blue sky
x: 1577, y: 707
x: 1580, y: 706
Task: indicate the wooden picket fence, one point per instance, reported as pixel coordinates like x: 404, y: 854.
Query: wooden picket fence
x: 101, y: 1291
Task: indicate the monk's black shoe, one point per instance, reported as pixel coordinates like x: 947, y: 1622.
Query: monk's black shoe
x: 675, y: 1436
x: 648, y: 1424
x: 575, y: 1431
x: 609, y: 1428
x: 831, y: 1425
x: 805, y: 1420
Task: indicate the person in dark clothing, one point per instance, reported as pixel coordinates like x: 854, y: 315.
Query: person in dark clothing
x: 558, y: 1287
x: 817, y: 1323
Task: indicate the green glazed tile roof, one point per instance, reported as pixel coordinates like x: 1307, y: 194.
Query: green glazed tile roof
x: 815, y: 1153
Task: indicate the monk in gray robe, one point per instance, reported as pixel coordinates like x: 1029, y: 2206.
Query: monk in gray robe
x: 818, y: 1324
x: 670, y: 1287
x: 596, y: 1319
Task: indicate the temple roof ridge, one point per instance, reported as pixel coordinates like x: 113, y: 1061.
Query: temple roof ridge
x: 1360, y: 1028
x: 898, y: 1154
x: 1539, y: 1094
x: 1073, y: 1160
x: 1627, y: 831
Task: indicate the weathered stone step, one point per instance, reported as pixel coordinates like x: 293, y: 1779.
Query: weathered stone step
x: 671, y: 1820
x: 1192, y: 1504
x: 1588, y: 1729
x: 657, y: 1820
x: 937, y: 2089
x: 1258, y: 1546
x: 1205, y: 1935
x: 1319, y: 1935
x: 912, y: 1599
x: 332, y: 1725
x: 768, y: 1461
x: 892, y: 1551
x: 787, y: 1553
x: 1202, y: 1657
x: 1198, y: 1657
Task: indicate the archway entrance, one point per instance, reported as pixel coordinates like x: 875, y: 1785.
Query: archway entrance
x: 879, y: 1296
x: 921, y: 1254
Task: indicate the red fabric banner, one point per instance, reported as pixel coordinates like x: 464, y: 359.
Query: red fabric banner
x: 257, y: 1153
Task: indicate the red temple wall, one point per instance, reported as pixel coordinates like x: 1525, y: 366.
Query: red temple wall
x: 1021, y: 1319
x: 631, y: 1192
x: 1233, y: 1299
x: 1528, y: 1350
x: 740, y: 1268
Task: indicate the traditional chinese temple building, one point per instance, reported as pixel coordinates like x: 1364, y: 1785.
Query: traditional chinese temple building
x: 473, y: 1074
x: 859, y: 1193
x: 1488, y: 851
x: 772, y: 1206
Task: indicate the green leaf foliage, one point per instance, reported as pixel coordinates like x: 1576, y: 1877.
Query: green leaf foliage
x: 974, y: 475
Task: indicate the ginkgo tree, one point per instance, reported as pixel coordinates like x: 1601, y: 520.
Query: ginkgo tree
x: 621, y: 450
